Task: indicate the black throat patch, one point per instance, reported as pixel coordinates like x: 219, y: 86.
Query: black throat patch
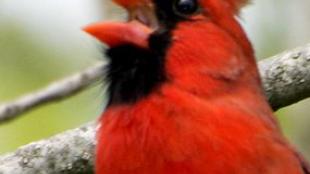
x: 133, y: 72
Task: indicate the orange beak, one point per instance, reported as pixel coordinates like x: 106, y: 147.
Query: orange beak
x: 136, y: 31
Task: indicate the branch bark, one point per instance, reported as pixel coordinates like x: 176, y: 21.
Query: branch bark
x: 286, y: 79
x: 54, y: 92
x: 68, y: 153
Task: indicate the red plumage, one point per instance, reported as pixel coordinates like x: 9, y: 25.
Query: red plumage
x: 209, y: 117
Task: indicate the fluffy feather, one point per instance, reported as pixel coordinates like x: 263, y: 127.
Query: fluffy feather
x: 200, y: 110
x: 237, y: 4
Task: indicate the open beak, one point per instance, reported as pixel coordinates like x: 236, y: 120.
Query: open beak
x: 136, y: 31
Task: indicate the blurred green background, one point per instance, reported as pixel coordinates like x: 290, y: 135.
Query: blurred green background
x: 41, y: 41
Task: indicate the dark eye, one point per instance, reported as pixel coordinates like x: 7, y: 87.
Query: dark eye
x: 185, y: 7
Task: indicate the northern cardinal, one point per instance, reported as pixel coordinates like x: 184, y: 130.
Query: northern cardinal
x: 185, y: 94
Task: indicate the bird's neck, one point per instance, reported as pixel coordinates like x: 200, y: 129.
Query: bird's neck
x: 210, y: 60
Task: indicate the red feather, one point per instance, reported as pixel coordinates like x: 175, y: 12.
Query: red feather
x: 209, y: 117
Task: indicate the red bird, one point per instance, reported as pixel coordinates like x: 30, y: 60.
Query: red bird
x: 185, y: 94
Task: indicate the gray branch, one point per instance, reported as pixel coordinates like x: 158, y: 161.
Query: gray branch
x: 54, y: 92
x: 68, y: 153
x: 286, y: 78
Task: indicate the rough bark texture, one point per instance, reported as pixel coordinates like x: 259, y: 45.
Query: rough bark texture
x: 68, y: 153
x: 286, y: 79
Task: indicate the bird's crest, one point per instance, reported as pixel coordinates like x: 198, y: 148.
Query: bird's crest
x: 237, y: 4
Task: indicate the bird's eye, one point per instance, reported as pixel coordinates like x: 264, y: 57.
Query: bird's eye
x: 185, y: 7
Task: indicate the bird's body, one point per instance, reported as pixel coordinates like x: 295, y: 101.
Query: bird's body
x: 190, y: 103
x: 167, y: 133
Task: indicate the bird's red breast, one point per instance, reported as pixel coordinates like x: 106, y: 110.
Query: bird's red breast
x: 185, y: 95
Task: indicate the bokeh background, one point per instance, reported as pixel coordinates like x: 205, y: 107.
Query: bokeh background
x: 41, y: 41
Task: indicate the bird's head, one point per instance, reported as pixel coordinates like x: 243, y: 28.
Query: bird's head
x: 148, y: 16
x: 185, y: 41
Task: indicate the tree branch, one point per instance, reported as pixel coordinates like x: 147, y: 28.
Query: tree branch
x: 286, y: 78
x: 68, y: 153
x: 54, y: 92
